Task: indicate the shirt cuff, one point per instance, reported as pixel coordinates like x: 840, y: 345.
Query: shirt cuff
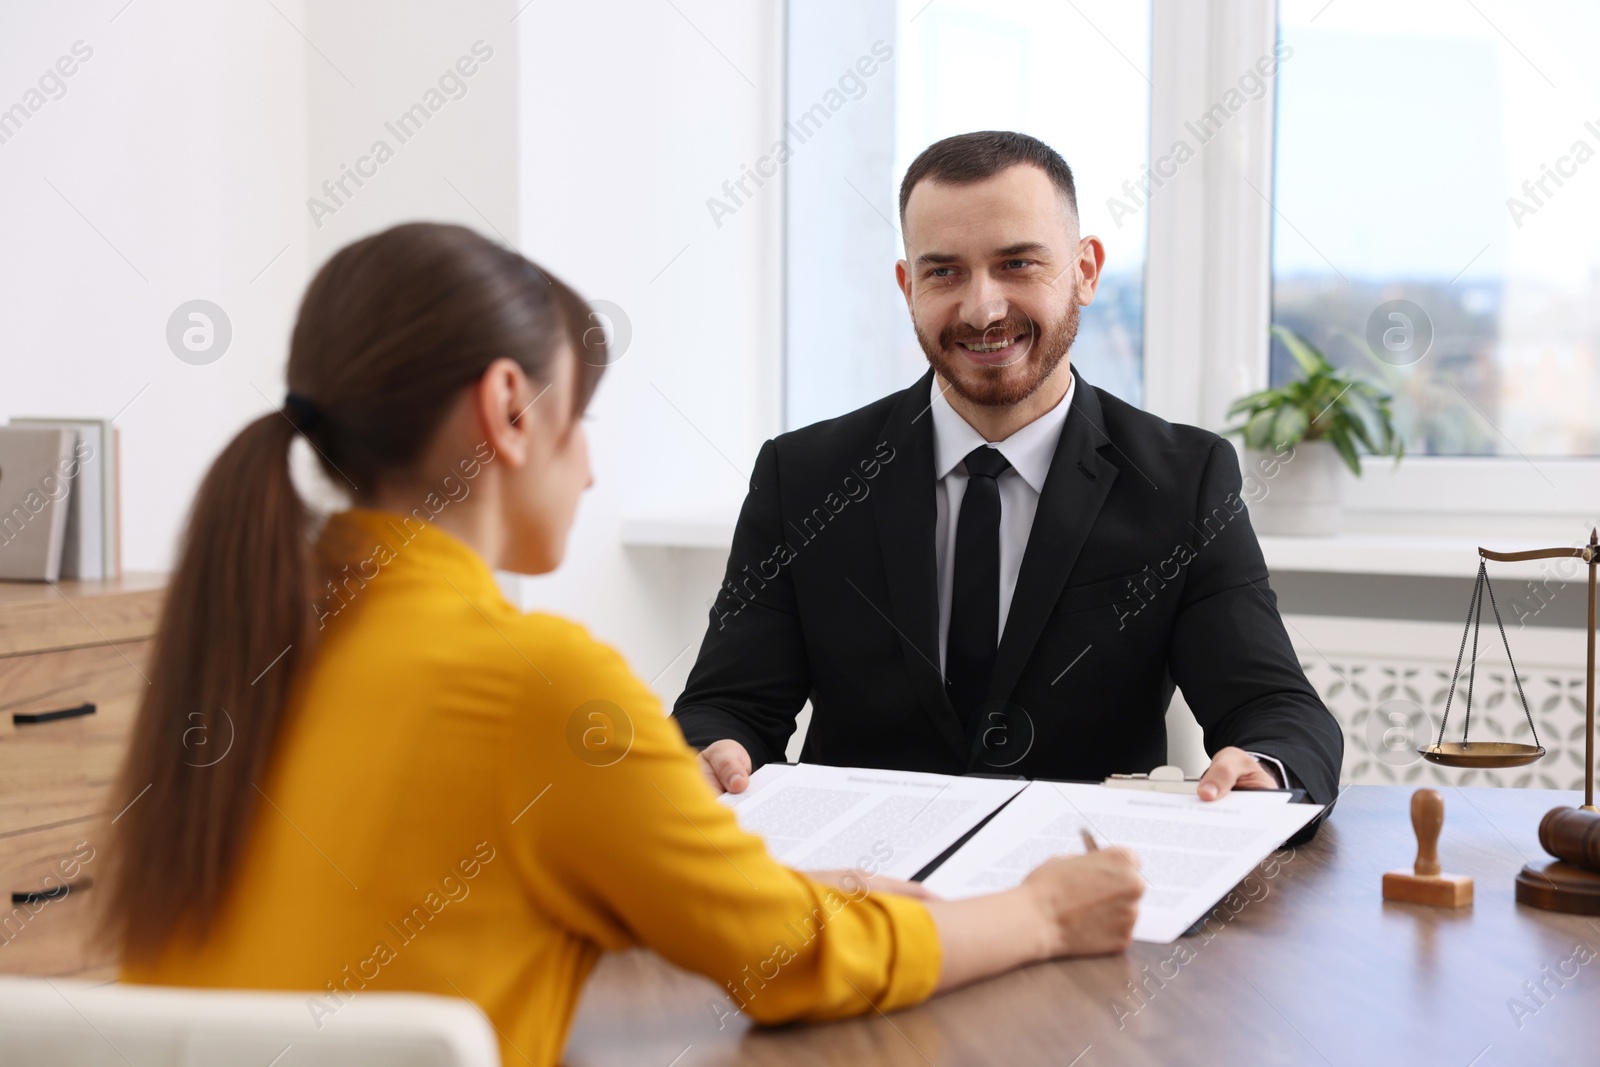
x: 1272, y: 765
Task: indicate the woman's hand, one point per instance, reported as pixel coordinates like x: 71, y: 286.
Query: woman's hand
x: 1081, y: 905
x: 1087, y: 904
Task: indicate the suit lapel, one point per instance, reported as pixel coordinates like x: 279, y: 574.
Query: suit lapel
x: 904, y: 509
x: 1074, y: 490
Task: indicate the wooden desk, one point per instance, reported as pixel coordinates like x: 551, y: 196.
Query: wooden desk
x: 1316, y: 969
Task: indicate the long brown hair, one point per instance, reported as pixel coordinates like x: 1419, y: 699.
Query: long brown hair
x: 390, y: 331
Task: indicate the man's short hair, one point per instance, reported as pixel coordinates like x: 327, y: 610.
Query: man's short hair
x: 972, y: 157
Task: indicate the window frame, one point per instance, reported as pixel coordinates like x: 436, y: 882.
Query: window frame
x: 1208, y: 296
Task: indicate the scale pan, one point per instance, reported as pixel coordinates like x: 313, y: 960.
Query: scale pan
x: 1481, y: 754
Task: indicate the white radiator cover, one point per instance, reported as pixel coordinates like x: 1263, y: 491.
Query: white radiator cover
x: 1386, y: 682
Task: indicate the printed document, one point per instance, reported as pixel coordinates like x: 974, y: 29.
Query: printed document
x: 1191, y: 852
x: 891, y: 823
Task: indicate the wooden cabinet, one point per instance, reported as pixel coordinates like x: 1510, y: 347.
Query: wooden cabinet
x: 72, y: 671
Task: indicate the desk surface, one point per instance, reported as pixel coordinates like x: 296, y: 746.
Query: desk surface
x: 1314, y: 968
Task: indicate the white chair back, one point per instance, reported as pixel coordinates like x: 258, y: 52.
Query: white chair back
x: 79, y: 1024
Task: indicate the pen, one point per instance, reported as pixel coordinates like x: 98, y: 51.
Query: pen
x: 1088, y: 840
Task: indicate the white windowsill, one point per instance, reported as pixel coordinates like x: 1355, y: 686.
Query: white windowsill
x: 1403, y: 555
x: 674, y: 531
x: 1390, y: 554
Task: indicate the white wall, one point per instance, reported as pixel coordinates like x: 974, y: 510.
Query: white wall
x: 170, y: 170
x: 593, y: 151
x: 614, y: 200
x: 193, y: 137
x: 374, y: 61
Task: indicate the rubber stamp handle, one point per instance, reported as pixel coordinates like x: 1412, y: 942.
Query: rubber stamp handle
x: 1427, y: 819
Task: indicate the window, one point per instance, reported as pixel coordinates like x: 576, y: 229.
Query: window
x: 1437, y: 221
x: 1074, y: 75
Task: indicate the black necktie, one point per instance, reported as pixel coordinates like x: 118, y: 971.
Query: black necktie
x: 975, y: 593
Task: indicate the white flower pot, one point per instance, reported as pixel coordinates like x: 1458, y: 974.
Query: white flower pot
x: 1298, y: 493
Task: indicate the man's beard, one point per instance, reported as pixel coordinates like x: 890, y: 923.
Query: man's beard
x: 1011, y: 383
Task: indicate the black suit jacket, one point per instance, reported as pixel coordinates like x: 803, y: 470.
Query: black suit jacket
x: 1141, y: 571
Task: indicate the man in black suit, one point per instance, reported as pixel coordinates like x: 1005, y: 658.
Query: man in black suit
x: 1001, y: 568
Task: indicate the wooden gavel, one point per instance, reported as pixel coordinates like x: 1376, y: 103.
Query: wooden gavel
x: 1572, y: 835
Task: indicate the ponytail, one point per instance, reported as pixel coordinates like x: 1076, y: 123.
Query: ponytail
x: 235, y: 625
x: 390, y: 331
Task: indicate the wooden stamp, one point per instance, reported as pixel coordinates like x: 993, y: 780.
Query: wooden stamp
x: 1423, y: 884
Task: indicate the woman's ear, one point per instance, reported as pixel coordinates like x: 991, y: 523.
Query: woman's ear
x: 502, y: 398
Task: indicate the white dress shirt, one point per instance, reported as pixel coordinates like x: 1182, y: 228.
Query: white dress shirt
x: 1029, y: 451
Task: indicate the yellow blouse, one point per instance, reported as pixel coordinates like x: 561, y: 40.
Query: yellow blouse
x: 473, y: 801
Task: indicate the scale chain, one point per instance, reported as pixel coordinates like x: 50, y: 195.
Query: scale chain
x: 1515, y: 677
x: 1472, y: 606
x: 1472, y: 665
x: 1474, y: 625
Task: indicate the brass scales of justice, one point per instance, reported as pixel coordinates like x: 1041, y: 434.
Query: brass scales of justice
x: 1571, y: 883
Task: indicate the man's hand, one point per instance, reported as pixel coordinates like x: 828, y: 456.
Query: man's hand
x: 726, y: 766
x: 1232, y: 768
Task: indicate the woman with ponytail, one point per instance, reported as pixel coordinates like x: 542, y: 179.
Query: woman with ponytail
x: 359, y: 767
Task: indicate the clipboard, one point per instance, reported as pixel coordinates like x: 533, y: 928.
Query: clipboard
x: 1170, y: 779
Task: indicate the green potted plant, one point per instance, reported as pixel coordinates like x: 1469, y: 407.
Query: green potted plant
x: 1297, y: 435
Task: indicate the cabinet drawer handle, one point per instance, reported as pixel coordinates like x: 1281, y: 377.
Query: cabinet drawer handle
x: 41, y: 896
x: 29, y: 718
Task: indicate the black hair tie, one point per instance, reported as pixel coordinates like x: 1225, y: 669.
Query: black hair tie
x: 303, y: 413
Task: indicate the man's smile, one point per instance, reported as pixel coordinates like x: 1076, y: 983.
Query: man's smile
x: 992, y: 352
